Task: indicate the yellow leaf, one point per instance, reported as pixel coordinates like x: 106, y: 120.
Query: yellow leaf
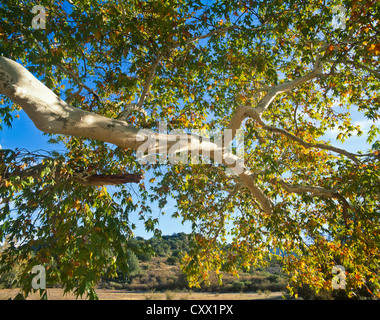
x: 77, y: 205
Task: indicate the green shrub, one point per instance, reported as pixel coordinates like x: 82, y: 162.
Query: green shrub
x: 238, y: 286
x: 273, y: 278
x: 172, y: 260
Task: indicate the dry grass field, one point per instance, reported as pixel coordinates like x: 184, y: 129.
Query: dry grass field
x: 107, y: 294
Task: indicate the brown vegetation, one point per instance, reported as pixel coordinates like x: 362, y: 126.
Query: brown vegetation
x: 157, y: 275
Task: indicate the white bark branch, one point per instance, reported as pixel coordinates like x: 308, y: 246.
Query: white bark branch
x: 252, y: 113
x: 149, y: 80
x: 51, y: 114
x: 242, y: 112
x: 357, y: 65
x: 287, y: 86
x: 316, y: 191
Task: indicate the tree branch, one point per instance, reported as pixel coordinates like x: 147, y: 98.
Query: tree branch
x: 249, y: 180
x: 241, y: 112
x: 153, y: 69
x: 211, y: 33
x: 35, y: 172
x: 149, y: 79
x: 251, y: 112
x: 316, y: 192
x: 106, y: 179
x: 287, y: 86
x: 51, y: 114
x: 357, y: 65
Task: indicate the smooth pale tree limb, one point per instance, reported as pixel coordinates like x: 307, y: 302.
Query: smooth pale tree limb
x: 241, y: 113
x: 51, y: 114
x: 287, y: 86
x: 253, y: 114
x: 316, y: 191
x: 249, y: 180
x: 149, y: 80
x: 357, y: 65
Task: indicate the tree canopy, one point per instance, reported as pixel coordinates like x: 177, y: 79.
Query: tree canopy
x: 285, y: 73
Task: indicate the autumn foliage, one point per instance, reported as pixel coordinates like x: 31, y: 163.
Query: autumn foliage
x: 298, y: 86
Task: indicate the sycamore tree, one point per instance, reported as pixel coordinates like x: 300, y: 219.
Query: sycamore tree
x: 100, y: 78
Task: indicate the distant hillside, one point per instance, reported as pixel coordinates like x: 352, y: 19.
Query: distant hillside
x: 160, y: 270
x: 166, y: 246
